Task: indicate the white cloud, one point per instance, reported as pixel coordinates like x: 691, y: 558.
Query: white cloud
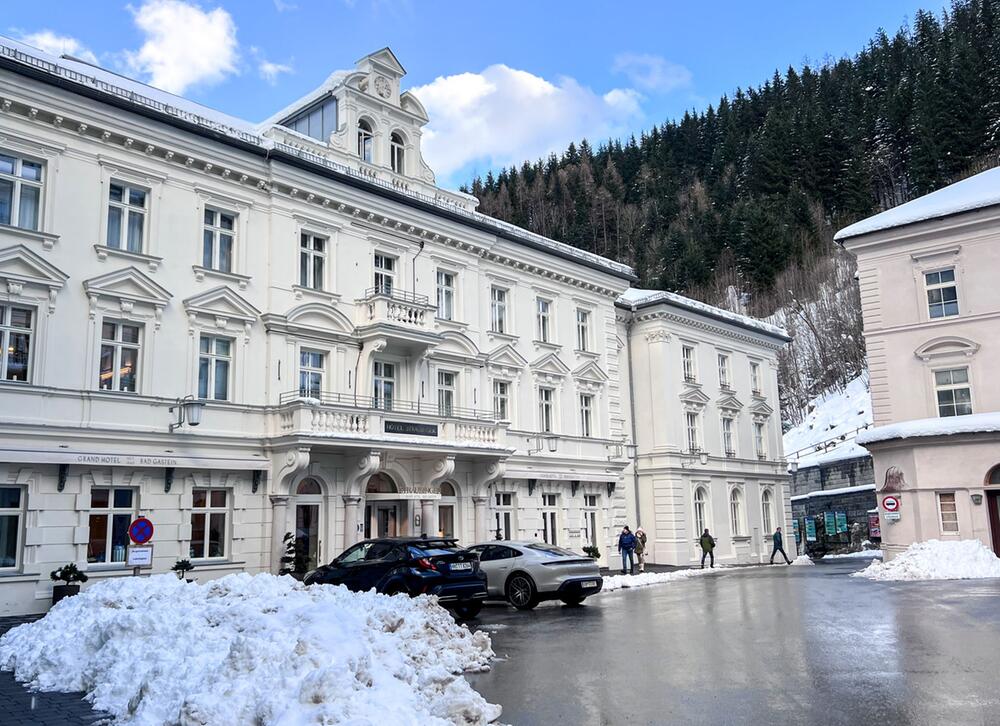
x: 652, y: 72
x: 270, y: 71
x: 504, y: 116
x: 282, y: 6
x: 58, y: 45
x: 184, y: 46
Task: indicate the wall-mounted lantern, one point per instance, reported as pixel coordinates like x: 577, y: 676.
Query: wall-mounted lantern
x: 188, y: 410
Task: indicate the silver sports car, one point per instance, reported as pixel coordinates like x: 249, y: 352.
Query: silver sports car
x: 525, y: 573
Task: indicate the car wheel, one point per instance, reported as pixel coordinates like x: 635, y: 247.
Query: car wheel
x: 573, y: 601
x: 395, y: 588
x: 521, y: 592
x: 467, y: 611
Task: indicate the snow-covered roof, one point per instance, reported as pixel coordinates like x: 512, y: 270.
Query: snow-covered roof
x: 976, y: 192
x: 921, y: 427
x: 835, y: 414
x: 833, y: 492
x: 636, y: 298
x: 119, y: 89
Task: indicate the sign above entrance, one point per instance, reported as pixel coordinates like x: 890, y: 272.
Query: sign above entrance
x: 409, y: 428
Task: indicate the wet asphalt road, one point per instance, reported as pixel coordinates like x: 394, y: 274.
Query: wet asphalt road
x: 781, y: 645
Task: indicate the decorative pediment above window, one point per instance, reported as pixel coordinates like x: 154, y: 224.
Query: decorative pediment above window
x: 590, y: 372
x: 946, y: 347
x: 222, y: 306
x: 694, y: 399
x: 761, y: 411
x: 506, y: 361
x: 316, y: 317
x: 21, y: 268
x: 459, y: 348
x: 127, y: 287
x: 730, y: 403
x: 549, y: 367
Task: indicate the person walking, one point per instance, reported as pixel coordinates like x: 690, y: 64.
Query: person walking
x: 640, y: 548
x: 776, y: 538
x: 626, y: 545
x: 707, y: 543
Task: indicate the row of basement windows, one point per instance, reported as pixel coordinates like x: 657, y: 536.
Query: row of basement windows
x: 111, y: 511
x: 689, y: 362
x: 728, y: 426
x: 128, y: 215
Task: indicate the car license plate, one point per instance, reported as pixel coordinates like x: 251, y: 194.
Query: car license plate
x: 588, y: 583
x: 462, y: 566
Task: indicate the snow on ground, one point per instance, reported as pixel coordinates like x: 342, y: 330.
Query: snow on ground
x: 976, y: 192
x: 834, y: 414
x: 862, y: 555
x: 971, y: 424
x: 253, y: 649
x: 644, y: 579
x: 802, y: 560
x: 937, y: 560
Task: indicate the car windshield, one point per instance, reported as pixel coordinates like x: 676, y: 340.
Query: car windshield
x: 551, y: 550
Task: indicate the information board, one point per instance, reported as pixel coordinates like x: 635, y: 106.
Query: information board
x: 841, y: 522
x: 810, y: 529
x: 829, y: 523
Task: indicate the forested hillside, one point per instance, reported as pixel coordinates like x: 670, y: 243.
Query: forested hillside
x: 745, y: 196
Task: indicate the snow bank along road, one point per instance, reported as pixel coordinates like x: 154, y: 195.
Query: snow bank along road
x: 254, y: 649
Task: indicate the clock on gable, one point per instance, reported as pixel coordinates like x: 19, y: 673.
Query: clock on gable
x: 382, y: 87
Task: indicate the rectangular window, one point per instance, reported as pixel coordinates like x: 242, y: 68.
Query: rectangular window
x: 446, y: 393
x: 690, y: 372
x: 942, y: 293
x: 209, y: 510
x: 543, y: 314
x: 693, y: 434
x: 445, y: 295
x: 724, y: 380
x: 590, y: 530
x: 949, y: 512
x: 586, y: 414
x: 582, y: 329
x: 504, y: 515
x: 311, y: 368
x: 11, y: 512
x: 549, y: 527
x: 385, y: 274
x: 546, y: 401
x: 385, y: 384
x: 20, y: 191
x: 728, y: 436
x: 15, y: 342
x: 312, y: 261
x: 498, y: 310
x: 218, y: 235
x: 215, y: 357
x: 760, y: 440
x: 111, y: 512
x: 120, y: 346
x: 501, y: 400
x: 954, y: 396
x: 755, y: 378
x: 127, y: 209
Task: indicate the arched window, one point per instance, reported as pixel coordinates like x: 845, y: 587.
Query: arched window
x: 700, y: 510
x: 308, y: 486
x: 736, y: 511
x: 380, y: 484
x: 396, y: 151
x: 366, y: 141
x: 447, y: 490
x: 995, y: 475
x: 765, y: 511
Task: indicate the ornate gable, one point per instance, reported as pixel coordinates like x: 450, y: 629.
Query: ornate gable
x: 506, y: 361
x: 590, y: 371
x: 317, y: 317
x: 127, y: 287
x: 20, y: 268
x: 458, y: 347
x: 549, y: 367
x: 729, y: 402
x: 694, y: 399
x: 222, y: 302
x: 761, y: 411
x: 946, y: 347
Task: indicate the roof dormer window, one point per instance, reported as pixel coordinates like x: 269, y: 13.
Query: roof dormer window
x: 396, y: 152
x: 318, y: 120
x: 366, y: 141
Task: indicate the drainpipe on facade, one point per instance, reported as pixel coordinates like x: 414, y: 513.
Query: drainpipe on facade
x: 631, y: 405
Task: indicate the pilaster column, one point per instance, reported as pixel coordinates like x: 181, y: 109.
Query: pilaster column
x: 479, y: 506
x: 427, y: 518
x: 351, y: 505
x: 279, y: 520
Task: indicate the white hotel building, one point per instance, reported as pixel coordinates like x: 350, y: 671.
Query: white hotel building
x: 370, y: 356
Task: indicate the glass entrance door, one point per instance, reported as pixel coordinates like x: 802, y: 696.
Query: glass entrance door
x: 306, y: 537
x: 385, y: 520
x: 446, y: 520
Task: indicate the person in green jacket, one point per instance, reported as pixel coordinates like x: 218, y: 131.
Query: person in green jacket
x: 707, y: 543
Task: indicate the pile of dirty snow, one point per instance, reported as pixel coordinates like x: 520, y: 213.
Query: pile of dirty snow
x: 644, y: 579
x: 253, y: 649
x: 860, y: 555
x: 802, y: 560
x: 937, y: 560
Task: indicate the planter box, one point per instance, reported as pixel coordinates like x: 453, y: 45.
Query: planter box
x: 61, y: 591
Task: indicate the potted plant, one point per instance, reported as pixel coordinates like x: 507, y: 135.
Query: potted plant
x: 288, y: 557
x: 182, y: 567
x: 592, y: 551
x: 70, y: 576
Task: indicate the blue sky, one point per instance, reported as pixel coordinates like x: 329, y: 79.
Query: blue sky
x: 503, y: 81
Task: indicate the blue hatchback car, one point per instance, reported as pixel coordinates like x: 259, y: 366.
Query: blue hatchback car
x: 411, y: 565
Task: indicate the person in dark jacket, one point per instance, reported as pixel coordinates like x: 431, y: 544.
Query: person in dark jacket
x: 707, y: 543
x: 776, y: 538
x: 626, y: 545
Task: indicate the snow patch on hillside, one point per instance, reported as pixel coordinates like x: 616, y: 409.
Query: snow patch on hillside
x: 936, y: 560
x: 828, y: 432
x: 253, y: 649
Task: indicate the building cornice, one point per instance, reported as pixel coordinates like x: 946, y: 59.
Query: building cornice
x: 664, y: 315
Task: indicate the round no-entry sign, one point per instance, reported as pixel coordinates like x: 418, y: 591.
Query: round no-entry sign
x: 890, y: 503
x: 140, y: 531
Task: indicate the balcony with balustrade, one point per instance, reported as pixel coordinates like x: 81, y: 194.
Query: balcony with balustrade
x: 403, y: 319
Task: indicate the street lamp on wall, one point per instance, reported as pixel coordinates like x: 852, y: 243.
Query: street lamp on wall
x: 793, y: 466
x: 551, y: 443
x: 189, y: 411
x: 689, y: 460
x: 623, y: 449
